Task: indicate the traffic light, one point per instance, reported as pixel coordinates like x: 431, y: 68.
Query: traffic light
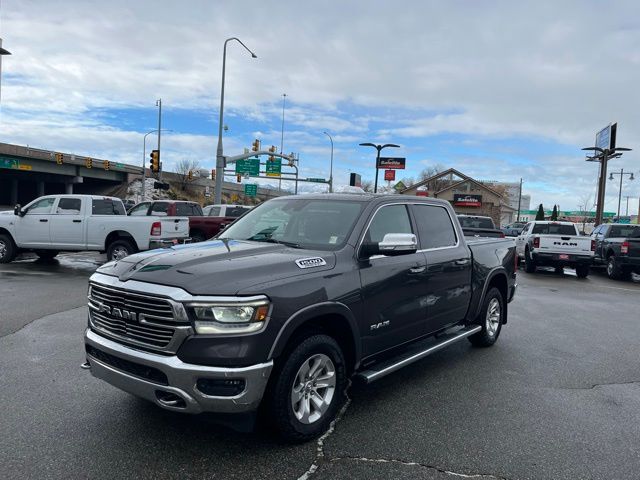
x: 88, y: 162
x: 189, y: 175
x: 213, y: 174
x: 239, y: 178
x: 106, y: 164
x: 59, y: 157
x: 155, y: 161
x: 255, y: 146
x: 272, y: 149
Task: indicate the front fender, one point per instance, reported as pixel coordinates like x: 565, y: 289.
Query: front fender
x: 313, y: 312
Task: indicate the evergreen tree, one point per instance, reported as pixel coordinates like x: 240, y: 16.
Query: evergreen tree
x: 540, y: 214
x: 554, y: 214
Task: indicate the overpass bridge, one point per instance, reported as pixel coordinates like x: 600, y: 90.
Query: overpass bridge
x: 27, y: 173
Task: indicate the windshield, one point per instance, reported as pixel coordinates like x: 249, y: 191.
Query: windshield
x: 297, y: 222
x: 554, y: 229
x: 476, y: 222
x: 626, y: 231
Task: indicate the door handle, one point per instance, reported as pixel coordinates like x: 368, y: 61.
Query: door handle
x: 462, y: 261
x: 44, y: 220
x: 77, y: 221
x: 418, y: 269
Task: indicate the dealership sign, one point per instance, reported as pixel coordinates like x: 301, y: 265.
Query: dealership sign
x: 466, y: 200
x: 390, y: 175
x: 396, y: 163
x: 606, y: 138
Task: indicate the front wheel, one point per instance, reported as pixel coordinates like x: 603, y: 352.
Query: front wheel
x: 308, y: 389
x: 7, y: 249
x: 119, y: 249
x: 490, y: 319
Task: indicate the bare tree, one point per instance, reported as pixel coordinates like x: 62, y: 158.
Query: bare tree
x: 183, y: 168
x: 367, y: 186
x: 430, y: 171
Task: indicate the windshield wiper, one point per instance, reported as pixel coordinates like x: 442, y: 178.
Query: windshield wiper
x: 283, y: 242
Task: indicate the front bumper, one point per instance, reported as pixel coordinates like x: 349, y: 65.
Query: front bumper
x: 179, y: 392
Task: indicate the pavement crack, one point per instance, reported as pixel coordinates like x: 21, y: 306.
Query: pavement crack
x: 596, y: 385
x: 320, y: 443
x: 421, y: 465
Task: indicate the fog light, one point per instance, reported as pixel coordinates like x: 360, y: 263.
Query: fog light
x: 227, y: 387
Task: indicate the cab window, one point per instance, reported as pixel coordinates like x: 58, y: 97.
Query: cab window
x: 434, y: 227
x: 160, y: 209
x: 41, y: 207
x: 139, y: 210
x: 388, y: 219
x: 69, y: 206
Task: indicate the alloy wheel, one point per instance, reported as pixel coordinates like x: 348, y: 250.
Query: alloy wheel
x: 313, y: 388
x: 493, y: 316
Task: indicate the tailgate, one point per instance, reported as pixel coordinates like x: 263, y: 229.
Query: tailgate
x: 174, y: 227
x: 574, y: 245
x: 634, y: 247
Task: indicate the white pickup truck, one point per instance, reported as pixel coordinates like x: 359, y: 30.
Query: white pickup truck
x: 555, y: 244
x: 55, y: 223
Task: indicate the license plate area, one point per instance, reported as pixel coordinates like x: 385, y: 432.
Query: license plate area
x: 563, y: 256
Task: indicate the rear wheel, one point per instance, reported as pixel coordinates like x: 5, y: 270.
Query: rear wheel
x: 119, y: 249
x: 7, y: 249
x: 307, y: 389
x: 490, y: 319
x: 559, y: 270
x: 47, y: 254
x: 582, y: 271
x: 614, y: 271
x: 529, y: 262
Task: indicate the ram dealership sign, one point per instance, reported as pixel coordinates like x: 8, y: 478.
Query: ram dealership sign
x: 467, y: 200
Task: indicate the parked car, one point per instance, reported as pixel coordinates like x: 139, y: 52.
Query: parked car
x: 294, y: 298
x: 56, y: 223
x: 229, y: 211
x: 477, y: 226
x: 555, y: 244
x: 618, y: 247
x: 200, y: 227
x: 513, y: 229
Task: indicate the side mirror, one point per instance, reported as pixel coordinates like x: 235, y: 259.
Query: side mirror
x: 17, y: 210
x: 392, y: 244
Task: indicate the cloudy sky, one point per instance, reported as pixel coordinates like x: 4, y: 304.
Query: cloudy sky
x: 498, y: 90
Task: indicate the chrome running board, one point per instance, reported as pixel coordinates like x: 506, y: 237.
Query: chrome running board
x: 414, y: 353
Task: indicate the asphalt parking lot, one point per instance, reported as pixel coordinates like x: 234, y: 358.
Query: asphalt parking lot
x: 557, y: 397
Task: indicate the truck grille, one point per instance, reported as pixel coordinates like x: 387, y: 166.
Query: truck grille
x: 134, y: 318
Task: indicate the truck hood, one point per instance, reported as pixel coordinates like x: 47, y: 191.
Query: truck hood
x: 218, y: 267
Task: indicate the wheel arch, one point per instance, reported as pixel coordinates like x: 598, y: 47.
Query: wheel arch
x: 496, y: 278
x: 332, y: 318
x: 4, y: 231
x: 119, y: 235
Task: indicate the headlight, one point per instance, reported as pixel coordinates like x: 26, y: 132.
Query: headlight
x: 227, y: 318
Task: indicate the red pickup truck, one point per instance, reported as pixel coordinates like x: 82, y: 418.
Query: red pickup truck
x: 201, y: 228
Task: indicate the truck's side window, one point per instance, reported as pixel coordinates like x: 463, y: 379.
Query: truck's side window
x: 187, y: 210
x: 434, y: 227
x: 214, y: 212
x: 107, y: 207
x: 235, y: 212
x: 389, y: 219
x: 160, y: 209
x: 139, y: 210
x: 69, y: 206
x: 41, y: 206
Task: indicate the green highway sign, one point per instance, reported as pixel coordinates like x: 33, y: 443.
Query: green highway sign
x: 250, y: 166
x: 251, y: 189
x: 317, y: 180
x: 274, y: 167
x: 8, y: 163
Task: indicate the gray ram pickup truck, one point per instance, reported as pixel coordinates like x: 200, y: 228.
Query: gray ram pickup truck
x: 296, y: 297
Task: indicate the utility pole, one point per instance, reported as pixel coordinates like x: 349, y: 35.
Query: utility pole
x: 626, y: 210
x: 519, y: 200
x: 159, y: 105
x: 284, y: 98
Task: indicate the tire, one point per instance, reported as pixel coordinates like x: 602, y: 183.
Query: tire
x: 119, y: 249
x: 529, y: 262
x: 8, y: 249
x: 559, y: 270
x: 47, y: 254
x: 291, y: 406
x: 614, y: 271
x: 197, y: 236
x: 490, y: 318
x: 582, y: 271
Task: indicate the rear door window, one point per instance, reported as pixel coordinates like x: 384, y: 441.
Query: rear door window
x: 214, y: 212
x: 69, y: 206
x: 434, y: 227
x: 235, y: 212
x: 187, y: 210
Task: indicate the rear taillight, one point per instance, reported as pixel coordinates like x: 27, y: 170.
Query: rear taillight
x: 624, y: 248
x: 501, y: 234
x: 593, y: 245
x: 156, y: 229
x: 536, y: 242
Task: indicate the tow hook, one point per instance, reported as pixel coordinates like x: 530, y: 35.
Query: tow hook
x: 85, y: 366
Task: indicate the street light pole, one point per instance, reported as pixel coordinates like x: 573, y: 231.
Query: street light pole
x: 331, y: 165
x: 378, y: 148
x: 622, y: 174
x: 284, y: 98
x: 219, y: 152
x: 159, y: 105
x: 519, y: 200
